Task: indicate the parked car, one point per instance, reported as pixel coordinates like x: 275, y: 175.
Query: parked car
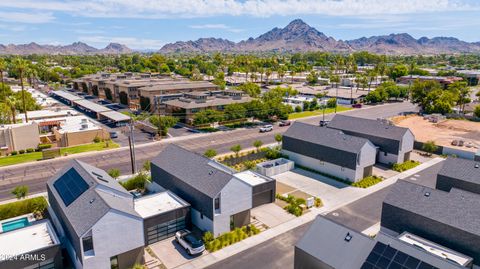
x: 189, y: 242
x: 454, y: 142
x: 324, y: 123
x: 113, y: 135
x: 284, y: 123
x: 460, y: 143
x: 266, y: 128
x: 357, y: 105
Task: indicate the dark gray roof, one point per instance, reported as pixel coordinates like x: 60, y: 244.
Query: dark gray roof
x: 195, y: 170
x: 457, y: 208
x: 384, y: 135
x: 103, y: 194
x: 326, y: 137
x: 461, y: 169
x: 325, y: 240
x: 329, y: 145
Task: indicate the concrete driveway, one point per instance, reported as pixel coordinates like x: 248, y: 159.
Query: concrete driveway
x: 171, y: 254
x: 271, y: 215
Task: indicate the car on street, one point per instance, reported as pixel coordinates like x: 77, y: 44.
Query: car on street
x: 189, y: 242
x: 357, y: 105
x: 113, y: 135
x: 266, y: 128
x: 285, y: 123
x: 324, y: 123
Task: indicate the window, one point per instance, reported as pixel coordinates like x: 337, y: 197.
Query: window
x: 385, y: 154
x: 217, y: 204
x: 343, y: 168
x: 201, y: 215
x: 87, y: 243
x: 114, y: 262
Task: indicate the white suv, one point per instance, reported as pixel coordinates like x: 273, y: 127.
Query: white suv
x: 189, y: 242
x: 266, y: 128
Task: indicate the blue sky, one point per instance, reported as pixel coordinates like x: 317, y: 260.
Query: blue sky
x: 149, y: 24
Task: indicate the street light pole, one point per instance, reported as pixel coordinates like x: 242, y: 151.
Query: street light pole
x: 131, y: 144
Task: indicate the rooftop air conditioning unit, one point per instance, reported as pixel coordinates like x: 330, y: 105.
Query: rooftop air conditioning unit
x: 84, y: 120
x: 84, y: 126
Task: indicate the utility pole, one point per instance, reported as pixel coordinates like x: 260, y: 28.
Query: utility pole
x: 131, y: 144
x: 336, y: 99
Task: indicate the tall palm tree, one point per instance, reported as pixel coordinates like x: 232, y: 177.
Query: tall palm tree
x: 22, y: 67
x: 12, y: 103
x: 3, y: 66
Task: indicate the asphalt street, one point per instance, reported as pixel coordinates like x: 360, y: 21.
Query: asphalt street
x: 36, y: 174
x: 275, y: 253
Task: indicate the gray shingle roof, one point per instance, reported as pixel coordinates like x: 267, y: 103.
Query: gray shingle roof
x: 324, y: 144
x: 379, y: 133
x: 457, y: 208
x: 325, y: 240
x: 461, y: 169
x: 197, y: 171
x: 94, y: 203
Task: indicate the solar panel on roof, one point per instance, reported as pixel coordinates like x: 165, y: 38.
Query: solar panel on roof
x: 386, y: 257
x: 70, y: 186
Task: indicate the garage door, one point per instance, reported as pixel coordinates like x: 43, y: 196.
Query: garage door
x: 262, y: 198
x: 164, y: 230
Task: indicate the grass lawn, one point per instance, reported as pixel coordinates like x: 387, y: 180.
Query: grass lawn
x: 303, y: 114
x: 34, y: 156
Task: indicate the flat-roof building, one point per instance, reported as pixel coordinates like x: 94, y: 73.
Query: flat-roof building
x: 19, y: 136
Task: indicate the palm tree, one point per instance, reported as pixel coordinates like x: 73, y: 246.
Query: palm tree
x: 268, y: 72
x: 22, y: 67
x: 11, y: 103
x: 2, y: 68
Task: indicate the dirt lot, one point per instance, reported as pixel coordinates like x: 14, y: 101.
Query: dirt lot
x: 444, y: 132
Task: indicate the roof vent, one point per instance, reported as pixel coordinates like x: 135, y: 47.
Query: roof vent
x: 427, y: 194
x: 91, y: 201
x: 96, y: 174
x: 211, y: 172
x: 476, y: 165
x: 348, y: 237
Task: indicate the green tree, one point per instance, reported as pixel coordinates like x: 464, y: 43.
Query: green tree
x: 22, y: 68
x: 147, y: 165
x: 398, y: 70
x: 3, y: 66
x: 250, y: 88
x: 432, y: 98
x: 220, y: 80
x: 210, y: 153
x: 236, y: 149
x: 12, y: 103
x: 312, y: 78
x: 376, y: 96
x: 20, y: 191
x: 476, y: 112
x: 278, y: 138
x: 429, y: 147
x: 114, y: 173
x: 461, y: 88
x: 332, y: 102
x: 235, y: 111
x: 257, y: 144
x: 207, y: 116
x: 163, y: 123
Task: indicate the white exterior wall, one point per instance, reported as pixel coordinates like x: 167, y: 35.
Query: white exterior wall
x: 367, y: 158
x: 235, y: 197
x: 204, y: 224
x: 325, y: 167
x: 115, y: 233
x: 389, y: 159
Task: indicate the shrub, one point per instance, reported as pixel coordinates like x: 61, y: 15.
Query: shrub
x: 20, y: 191
x: 298, y: 109
x: 30, y: 150
x: 213, y: 244
x: 210, y: 153
x: 13, y: 153
x: 15, y: 209
x: 400, y: 167
x: 137, y: 182
x: 44, y: 146
x: 294, y: 204
x: 430, y: 147
x: 97, y: 139
x: 318, y: 202
x: 367, y: 182
x: 114, y: 172
x: 22, y: 151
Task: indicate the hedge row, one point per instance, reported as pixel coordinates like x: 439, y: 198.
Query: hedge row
x: 22, y: 207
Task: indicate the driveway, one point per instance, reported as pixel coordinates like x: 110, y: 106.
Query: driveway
x: 271, y: 215
x: 330, y: 191
x: 170, y: 253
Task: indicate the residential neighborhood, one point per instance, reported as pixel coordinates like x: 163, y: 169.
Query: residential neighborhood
x: 239, y: 134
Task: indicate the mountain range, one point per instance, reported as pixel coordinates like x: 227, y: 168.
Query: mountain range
x: 298, y: 36
x: 77, y: 48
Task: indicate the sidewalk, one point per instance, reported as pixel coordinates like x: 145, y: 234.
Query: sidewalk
x: 250, y: 242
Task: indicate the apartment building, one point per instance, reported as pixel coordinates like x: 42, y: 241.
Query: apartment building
x: 329, y: 151
x: 220, y: 198
x: 394, y: 143
x: 20, y: 136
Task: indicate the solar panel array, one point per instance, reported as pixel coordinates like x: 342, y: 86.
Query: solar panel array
x: 70, y: 186
x: 386, y: 257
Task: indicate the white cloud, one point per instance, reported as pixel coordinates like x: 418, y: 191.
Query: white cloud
x: 131, y: 42
x: 209, y: 26
x: 16, y: 28
x: 22, y: 17
x: 257, y: 8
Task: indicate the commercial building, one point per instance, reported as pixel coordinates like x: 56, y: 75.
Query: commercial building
x: 330, y: 245
x: 95, y: 218
x: 189, y: 104
x: 20, y: 136
x: 459, y: 173
x: 48, y: 114
x: 329, y: 151
x: 219, y: 197
x: 394, y: 143
x: 444, y: 81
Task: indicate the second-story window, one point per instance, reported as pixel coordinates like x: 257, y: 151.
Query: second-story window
x: 217, y: 204
x: 87, y: 243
